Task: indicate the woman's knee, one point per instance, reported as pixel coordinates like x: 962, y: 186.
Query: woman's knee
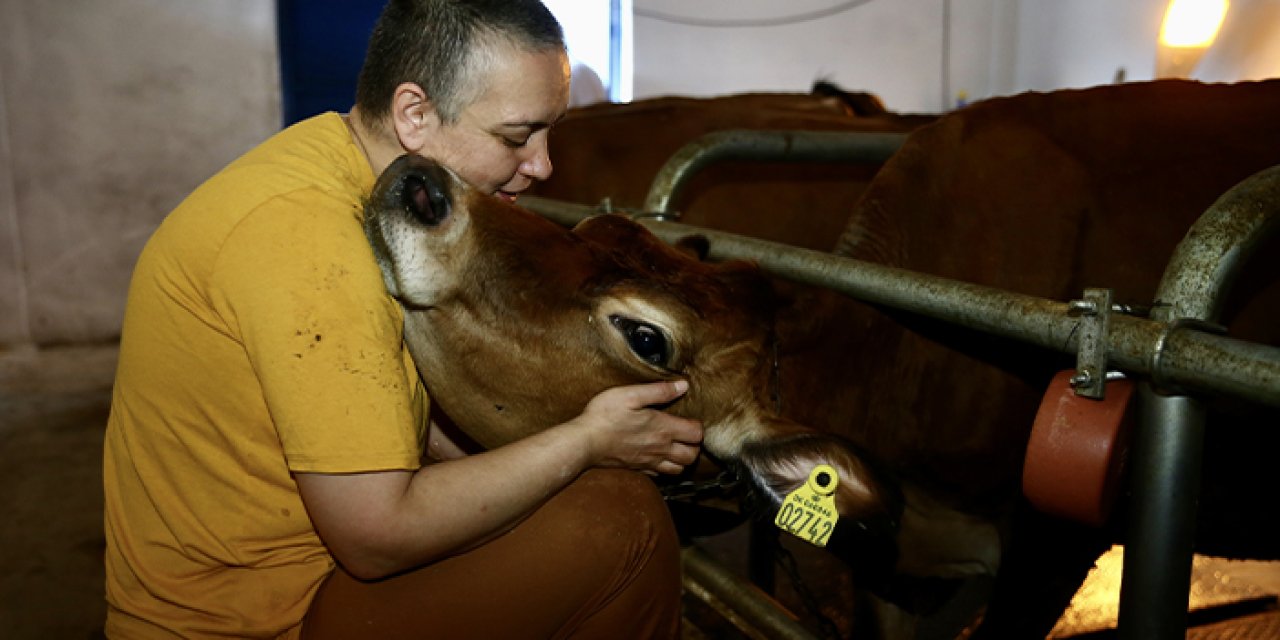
x: 617, y: 505
x: 630, y: 544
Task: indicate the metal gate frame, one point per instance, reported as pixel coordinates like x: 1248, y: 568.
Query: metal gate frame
x: 1171, y: 348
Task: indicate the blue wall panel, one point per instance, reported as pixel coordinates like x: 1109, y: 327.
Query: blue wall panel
x: 322, y: 43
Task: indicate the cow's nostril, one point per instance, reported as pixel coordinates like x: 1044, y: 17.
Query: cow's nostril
x: 424, y: 199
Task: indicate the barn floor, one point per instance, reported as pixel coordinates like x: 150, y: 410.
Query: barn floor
x: 53, y: 407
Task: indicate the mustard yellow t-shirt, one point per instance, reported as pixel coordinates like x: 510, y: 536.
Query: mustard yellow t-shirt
x: 258, y: 341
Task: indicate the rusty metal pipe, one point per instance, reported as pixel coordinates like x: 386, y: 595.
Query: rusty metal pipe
x: 854, y: 147
x: 737, y: 600
x: 1198, y: 361
x: 1168, y: 449
x: 1217, y: 247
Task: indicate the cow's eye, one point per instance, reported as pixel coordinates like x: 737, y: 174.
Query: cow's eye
x: 645, y: 340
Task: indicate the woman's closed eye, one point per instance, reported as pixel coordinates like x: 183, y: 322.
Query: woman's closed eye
x: 514, y: 136
x: 515, y: 142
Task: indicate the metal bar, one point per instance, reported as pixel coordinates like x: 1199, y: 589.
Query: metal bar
x: 1168, y: 452
x: 1165, y: 482
x: 1198, y: 361
x: 739, y: 601
x: 854, y: 147
x: 1218, y: 245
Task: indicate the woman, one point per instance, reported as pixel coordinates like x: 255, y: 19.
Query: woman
x: 267, y: 424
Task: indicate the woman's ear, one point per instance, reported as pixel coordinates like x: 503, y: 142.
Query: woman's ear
x: 413, y: 116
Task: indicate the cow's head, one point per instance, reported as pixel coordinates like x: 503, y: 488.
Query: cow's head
x: 515, y: 323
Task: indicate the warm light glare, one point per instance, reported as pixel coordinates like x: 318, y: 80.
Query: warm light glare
x: 1192, y: 23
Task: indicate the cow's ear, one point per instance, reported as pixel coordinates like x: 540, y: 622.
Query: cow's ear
x: 696, y: 246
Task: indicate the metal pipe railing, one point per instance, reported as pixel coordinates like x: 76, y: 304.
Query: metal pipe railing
x: 1197, y: 361
x: 738, y: 601
x: 1168, y: 449
x: 854, y: 147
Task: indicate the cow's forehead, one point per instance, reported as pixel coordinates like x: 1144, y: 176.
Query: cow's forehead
x: 631, y: 259
x: 615, y: 231
x: 625, y: 250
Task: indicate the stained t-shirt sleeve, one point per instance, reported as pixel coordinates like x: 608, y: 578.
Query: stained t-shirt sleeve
x: 306, y: 298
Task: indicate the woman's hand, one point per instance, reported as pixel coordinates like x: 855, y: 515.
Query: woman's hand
x: 622, y: 429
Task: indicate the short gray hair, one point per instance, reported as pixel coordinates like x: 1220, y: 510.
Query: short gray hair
x: 444, y: 46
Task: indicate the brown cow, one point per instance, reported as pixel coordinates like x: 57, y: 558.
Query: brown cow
x: 1042, y: 194
x: 515, y: 323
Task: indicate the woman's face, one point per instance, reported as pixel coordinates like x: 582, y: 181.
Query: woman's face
x: 499, y: 142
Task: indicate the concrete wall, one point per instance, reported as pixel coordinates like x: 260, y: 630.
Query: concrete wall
x: 895, y: 48
x: 111, y: 111
x: 892, y: 48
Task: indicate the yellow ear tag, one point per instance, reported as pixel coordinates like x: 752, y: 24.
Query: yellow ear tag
x: 809, y: 512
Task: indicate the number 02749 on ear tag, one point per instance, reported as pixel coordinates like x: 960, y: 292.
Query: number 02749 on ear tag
x: 809, y: 512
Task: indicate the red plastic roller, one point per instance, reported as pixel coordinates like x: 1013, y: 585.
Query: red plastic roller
x: 1077, y: 451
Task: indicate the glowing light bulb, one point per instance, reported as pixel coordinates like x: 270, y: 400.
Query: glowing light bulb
x: 1192, y: 23
x: 1189, y: 28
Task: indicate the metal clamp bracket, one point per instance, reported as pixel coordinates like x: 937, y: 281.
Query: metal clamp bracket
x: 1094, y: 312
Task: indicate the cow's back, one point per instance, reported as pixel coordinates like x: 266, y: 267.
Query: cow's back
x: 614, y: 151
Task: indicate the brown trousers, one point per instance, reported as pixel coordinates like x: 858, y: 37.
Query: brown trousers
x: 599, y: 560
